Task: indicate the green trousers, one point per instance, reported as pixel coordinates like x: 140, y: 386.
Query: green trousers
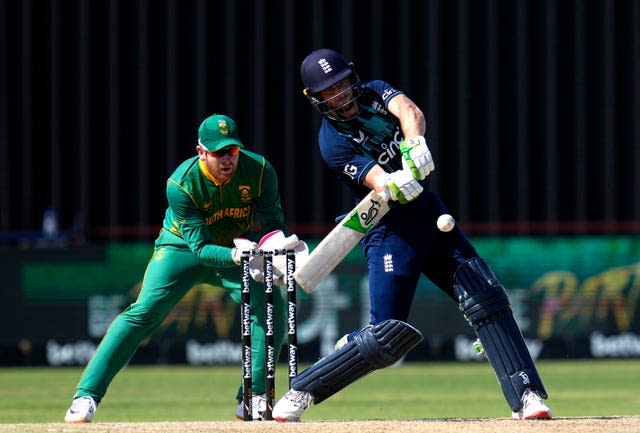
x: 170, y: 274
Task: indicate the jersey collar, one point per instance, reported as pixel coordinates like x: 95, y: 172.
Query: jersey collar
x: 207, y: 174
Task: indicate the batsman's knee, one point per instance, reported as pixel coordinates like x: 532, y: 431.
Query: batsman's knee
x: 375, y: 347
x: 478, y: 291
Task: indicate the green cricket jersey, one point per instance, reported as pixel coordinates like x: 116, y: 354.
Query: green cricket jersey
x: 205, y: 215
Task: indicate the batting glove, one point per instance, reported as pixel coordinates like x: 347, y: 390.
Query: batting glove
x: 402, y: 186
x: 416, y: 157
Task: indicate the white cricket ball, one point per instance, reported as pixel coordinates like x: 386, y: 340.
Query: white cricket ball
x: 445, y: 222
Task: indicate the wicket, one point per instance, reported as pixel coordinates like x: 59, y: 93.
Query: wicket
x: 245, y: 314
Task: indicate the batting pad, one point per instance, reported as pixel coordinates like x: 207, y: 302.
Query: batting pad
x: 486, y: 307
x: 375, y: 347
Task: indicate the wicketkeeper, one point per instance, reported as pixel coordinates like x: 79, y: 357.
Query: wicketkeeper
x: 372, y: 138
x: 216, y: 201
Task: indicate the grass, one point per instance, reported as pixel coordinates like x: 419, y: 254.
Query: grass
x: 411, y: 391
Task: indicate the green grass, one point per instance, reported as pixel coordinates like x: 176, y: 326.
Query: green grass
x: 412, y: 391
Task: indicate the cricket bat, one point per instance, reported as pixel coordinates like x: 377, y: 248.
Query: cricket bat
x: 341, y: 240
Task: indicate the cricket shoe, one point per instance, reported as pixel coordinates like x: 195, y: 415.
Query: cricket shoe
x: 258, y: 406
x: 532, y: 407
x: 81, y: 410
x: 291, y: 406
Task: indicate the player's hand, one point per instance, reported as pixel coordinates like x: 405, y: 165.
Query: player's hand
x: 402, y: 186
x: 276, y: 240
x: 301, y: 250
x: 416, y: 157
x: 241, y: 244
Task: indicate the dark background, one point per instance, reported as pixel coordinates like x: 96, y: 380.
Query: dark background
x: 533, y: 106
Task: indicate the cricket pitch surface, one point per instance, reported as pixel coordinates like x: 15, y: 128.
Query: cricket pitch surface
x: 609, y: 424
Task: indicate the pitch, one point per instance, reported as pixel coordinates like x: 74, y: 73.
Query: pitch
x: 560, y: 425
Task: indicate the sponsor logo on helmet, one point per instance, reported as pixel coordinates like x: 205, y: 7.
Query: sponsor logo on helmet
x: 326, y: 67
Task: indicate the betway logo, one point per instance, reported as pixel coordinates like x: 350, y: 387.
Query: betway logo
x: 615, y: 346
x: 220, y: 352
x: 293, y: 360
x: 269, y: 320
x: 291, y: 319
x: 76, y: 353
x: 291, y: 265
x: 246, y: 319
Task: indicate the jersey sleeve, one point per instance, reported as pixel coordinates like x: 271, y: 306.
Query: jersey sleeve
x: 191, y: 224
x: 386, y: 91
x: 341, y: 156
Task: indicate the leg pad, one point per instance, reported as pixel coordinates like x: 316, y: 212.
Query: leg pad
x: 375, y: 347
x: 486, y: 307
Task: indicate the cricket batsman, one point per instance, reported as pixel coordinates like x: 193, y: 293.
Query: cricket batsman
x: 372, y: 138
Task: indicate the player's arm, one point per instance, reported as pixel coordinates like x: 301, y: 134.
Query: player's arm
x: 399, y: 185
x: 191, y: 225
x: 412, y: 121
x: 416, y: 156
x: 354, y: 167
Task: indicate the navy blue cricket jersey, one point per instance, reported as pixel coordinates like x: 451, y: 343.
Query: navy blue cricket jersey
x: 352, y: 147
x: 406, y: 243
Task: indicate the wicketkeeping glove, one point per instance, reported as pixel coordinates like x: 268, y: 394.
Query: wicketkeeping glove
x: 402, y: 186
x: 416, y: 157
x: 276, y: 240
x: 242, y: 244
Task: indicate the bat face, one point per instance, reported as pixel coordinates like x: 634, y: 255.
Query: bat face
x: 367, y: 213
x: 337, y: 244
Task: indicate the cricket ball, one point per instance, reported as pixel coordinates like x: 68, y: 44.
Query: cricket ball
x: 445, y: 222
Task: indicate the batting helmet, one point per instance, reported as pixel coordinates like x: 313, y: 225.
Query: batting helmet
x: 322, y: 69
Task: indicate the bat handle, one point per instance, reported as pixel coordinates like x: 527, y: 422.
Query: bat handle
x: 384, y: 194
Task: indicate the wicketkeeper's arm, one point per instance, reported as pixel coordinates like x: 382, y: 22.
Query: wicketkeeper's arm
x: 191, y: 227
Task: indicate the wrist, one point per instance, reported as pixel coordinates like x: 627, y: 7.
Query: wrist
x: 236, y: 255
x: 381, y: 181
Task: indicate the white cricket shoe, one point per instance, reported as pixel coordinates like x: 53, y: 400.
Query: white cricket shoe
x: 258, y: 406
x: 291, y: 406
x: 81, y: 410
x: 532, y: 407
